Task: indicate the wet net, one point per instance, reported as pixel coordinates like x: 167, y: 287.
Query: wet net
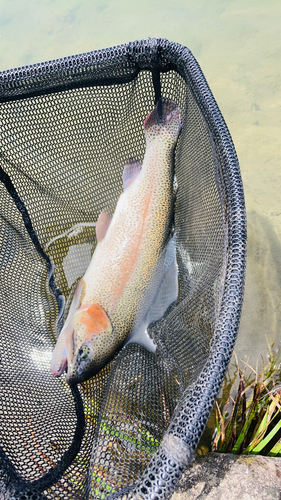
x: 67, y: 129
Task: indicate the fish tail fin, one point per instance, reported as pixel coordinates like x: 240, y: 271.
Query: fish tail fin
x: 162, y: 113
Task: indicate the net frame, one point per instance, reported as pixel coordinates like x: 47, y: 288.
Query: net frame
x: 124, y: 63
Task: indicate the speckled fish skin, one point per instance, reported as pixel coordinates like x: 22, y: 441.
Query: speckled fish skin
x: 113, y: 290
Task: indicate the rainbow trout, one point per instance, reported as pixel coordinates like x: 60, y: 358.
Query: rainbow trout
x: 132, y: 258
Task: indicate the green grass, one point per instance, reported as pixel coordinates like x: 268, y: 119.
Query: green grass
x: 250, y: 422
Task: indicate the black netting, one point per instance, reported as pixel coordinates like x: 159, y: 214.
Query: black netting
x: 67, y: 129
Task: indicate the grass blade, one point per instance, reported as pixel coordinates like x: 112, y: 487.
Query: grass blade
x: 267, y: 439
x: 276, y: 450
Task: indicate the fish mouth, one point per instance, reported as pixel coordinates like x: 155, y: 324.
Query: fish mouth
x: 60, y: 358
x: 70, y: 350
x: 61, y: 370
x: 73, y: 380
x: 70, y: 380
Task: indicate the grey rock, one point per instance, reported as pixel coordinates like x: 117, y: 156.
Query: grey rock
x: 218, y: 476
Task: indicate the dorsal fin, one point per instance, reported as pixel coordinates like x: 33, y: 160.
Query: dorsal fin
x: 130, y: 172
x: 103, y: 224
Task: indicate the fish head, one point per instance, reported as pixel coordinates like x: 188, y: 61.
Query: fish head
x: 164, y: 119
x: 89, y: 343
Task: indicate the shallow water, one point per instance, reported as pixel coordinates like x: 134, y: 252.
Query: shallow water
x: 238, y: 46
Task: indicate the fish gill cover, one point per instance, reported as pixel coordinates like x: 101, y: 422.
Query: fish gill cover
x: 68, y: 127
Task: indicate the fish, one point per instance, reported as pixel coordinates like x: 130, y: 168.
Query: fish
x: 134, y: 256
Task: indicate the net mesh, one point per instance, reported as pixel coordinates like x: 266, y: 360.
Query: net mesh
x: 67, y: 129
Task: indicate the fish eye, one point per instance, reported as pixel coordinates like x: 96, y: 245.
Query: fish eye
x: 84, y: 351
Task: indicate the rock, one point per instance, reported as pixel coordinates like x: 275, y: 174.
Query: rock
x: 218, y: 476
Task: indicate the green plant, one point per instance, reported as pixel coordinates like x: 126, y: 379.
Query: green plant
x: 253, y: 425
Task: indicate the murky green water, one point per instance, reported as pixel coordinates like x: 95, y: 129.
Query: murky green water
x: 238, y: 46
